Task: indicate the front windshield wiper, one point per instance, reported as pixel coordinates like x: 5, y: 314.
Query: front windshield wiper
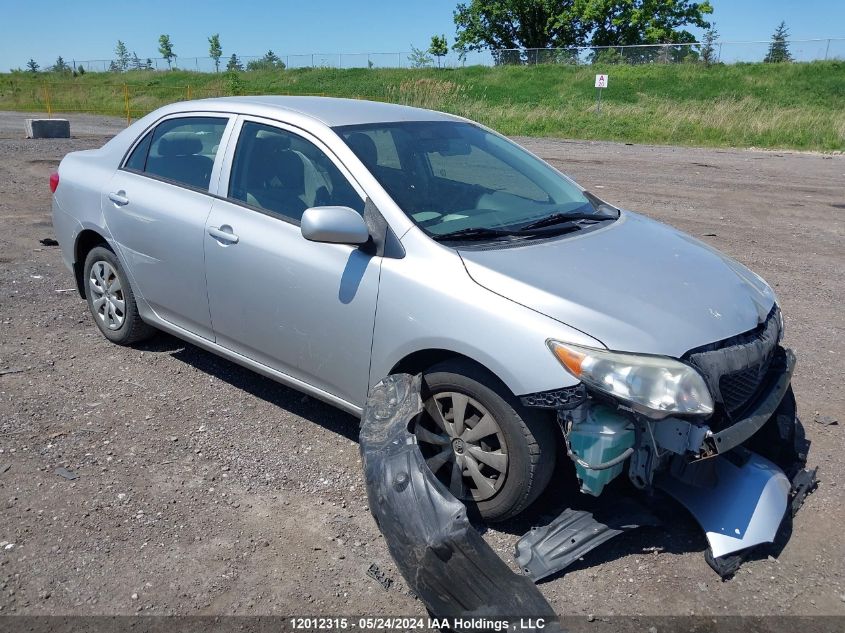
x: 560, y: 218
x: 562, y: 222
x: 474, y: 233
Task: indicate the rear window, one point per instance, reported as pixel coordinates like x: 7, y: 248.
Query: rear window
x: 180, y: 150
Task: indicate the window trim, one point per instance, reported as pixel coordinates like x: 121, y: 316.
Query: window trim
x: 221, y: 190
x: 230, y: 119
x: 139, y: 141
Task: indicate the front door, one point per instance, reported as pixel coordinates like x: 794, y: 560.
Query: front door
x: 303, y: 308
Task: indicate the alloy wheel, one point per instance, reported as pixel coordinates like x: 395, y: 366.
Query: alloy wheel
x: 463, y: 445
x: 107, y: 299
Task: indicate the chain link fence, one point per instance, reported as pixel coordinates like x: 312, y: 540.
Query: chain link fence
x: 123, y: 95
x: 723, y: 52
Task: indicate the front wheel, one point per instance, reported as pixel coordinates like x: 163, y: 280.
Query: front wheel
x: 481, y: 443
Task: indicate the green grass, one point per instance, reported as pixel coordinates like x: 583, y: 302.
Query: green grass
x: 798, y: 106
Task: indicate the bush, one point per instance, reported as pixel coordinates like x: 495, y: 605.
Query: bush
x: 270, y: 61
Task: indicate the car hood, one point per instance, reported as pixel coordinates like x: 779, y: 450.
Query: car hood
x: 636, y: 285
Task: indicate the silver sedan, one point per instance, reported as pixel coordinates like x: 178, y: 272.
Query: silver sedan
x: 328, y: 243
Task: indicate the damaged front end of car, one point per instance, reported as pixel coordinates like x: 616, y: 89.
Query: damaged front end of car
x: 717, y: 430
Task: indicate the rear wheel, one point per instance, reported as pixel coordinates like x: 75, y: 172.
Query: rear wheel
x: 481, y: 443
x: 111, y: 300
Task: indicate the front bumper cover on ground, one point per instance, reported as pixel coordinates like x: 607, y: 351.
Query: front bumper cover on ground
x: 744, y: 508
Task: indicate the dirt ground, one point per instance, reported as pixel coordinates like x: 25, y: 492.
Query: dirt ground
x: 206, y: 489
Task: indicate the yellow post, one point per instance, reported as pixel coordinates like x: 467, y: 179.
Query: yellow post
x: 189, y: 93
x: 126, y: 103
x: 47, y: 100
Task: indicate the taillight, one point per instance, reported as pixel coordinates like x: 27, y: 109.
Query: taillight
x: 54, y: 181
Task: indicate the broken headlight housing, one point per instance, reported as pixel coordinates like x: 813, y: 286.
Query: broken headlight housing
x: 653, y: 385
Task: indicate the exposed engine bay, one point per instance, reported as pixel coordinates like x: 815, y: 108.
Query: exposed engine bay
x: 734, y: 470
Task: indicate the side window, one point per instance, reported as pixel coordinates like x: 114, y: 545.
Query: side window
x: 285, y: 174
x: 375, y: 148
x: 181, y: 150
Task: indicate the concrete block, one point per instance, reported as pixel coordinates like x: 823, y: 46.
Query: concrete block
x: 47, y: 128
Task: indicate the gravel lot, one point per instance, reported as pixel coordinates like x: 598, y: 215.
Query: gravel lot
x: 205, y: 489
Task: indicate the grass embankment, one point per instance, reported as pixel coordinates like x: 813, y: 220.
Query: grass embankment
x: 800, y: 106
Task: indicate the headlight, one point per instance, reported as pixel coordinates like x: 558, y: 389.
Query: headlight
x: 650, y: 384
x: 780, y: 322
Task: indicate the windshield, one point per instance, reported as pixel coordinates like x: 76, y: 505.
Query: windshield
x: 456, y: 178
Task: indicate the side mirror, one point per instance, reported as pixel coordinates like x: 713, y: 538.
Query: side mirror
x: 337, y: 225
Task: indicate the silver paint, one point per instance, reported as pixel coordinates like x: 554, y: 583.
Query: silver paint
x: 337, y: 225
x: 745, y: 508
x: 332, y: 320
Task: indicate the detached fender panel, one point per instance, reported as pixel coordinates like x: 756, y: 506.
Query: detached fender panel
x: 743, y: 509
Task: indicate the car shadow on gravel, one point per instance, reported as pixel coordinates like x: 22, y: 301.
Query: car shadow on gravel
x: 678, y: 534
x: 246, y: 380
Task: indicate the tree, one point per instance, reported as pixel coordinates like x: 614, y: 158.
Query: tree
x: 137, y: 64
x: 779, y: 46
x: 519, y: 24
x: 121, y: 57
x: 439, y: 47
x: 60, y: 66
x: 512, y: 24
x: 627, y: 22
x: 462, y: 52
x: 165, y: 47
x: 80, y: 70
x: 234, y: 63
x: 32, y: 66
x: 708, y: 45
x: 215, y: 51
x: 419, y: 58
x: 270, y: 61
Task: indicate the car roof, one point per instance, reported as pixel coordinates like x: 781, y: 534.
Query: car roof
x: 331, y: 111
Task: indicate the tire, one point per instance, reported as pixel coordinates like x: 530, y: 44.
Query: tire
x: 111, y: 300
x: 514, y: 463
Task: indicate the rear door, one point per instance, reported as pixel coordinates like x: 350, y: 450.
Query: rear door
x: 303, y: 308
x: 156, y: 207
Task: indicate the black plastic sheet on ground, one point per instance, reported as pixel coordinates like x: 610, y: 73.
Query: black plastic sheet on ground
x: 441, y: 556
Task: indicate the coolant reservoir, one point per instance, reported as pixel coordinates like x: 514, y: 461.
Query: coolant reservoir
x: 602, y: 435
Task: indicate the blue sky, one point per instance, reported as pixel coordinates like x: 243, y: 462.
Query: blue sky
x: 88, y: 29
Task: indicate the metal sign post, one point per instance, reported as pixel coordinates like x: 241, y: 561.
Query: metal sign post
x: 601, y: 84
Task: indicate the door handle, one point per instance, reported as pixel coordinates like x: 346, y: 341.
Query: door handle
x: 223, y: 233
x: 119, y: 198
